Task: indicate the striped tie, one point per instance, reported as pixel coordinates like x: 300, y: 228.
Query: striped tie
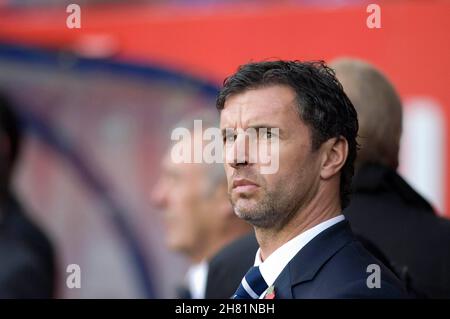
x: 252, y: 285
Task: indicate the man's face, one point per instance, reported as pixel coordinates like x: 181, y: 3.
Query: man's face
x: 270, y: 200
x: 180, y: 194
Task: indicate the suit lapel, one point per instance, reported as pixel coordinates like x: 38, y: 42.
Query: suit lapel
x: 282, y: 285
x: 304, y: 266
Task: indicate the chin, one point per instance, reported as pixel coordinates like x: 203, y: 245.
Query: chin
x: 175, y: 244
x: 243, y: 205
x: 256, y: 215
x: 254, y: 219
x: 246, y: 211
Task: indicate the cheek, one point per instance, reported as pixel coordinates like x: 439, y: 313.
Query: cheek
x: 187, y: 204
x: 182, y: 202
x: 291, y: 159
x: 296, y: 165
x: 181, y: 221
x: 228, y: 173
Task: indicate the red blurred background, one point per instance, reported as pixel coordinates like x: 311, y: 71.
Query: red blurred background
x: 206, y: 41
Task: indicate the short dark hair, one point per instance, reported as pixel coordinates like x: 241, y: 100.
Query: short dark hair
x: 322, y: 103
x: 10, y: 126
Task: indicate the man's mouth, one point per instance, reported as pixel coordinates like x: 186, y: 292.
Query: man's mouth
x: 242, y: 185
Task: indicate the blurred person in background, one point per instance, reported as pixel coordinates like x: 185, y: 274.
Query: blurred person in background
x: 27, y: 267
x: 198, y: 217
x: 384, y: 209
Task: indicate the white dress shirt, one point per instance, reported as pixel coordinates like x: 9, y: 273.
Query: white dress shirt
x: 272, y: 267
x: 196, y: 277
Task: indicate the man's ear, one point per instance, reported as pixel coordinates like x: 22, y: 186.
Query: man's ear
x: 335, y: 152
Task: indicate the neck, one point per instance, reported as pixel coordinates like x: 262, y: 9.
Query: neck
x: 213, y: 244
x: 318, y: 210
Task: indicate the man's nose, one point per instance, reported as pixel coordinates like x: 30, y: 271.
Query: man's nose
x: 240, y: 152
x: 236, y: 164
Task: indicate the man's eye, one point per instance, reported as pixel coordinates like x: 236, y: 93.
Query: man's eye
x: 229, y: 138
x: 268, y: 133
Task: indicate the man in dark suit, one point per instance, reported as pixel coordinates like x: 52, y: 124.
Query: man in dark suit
x: 27, y: 267
x: 302, y: 116
x: 230, y: 264
x: 384, y: 208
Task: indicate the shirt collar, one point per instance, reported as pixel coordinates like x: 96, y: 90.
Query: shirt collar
x: 196, y: 279
x: 277, y: 261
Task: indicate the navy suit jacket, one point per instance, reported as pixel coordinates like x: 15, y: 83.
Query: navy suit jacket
x: 334, y: 265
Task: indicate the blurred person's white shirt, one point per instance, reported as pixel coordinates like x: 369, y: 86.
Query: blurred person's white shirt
x: 196, y: 277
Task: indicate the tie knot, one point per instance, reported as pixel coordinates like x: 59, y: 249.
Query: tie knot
x: 252, y: 285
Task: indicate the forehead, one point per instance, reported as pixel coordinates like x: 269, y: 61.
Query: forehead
x: 272, y: 105
x: 190, y: 170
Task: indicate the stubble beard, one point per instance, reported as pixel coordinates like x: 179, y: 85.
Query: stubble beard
x: 269, y: 210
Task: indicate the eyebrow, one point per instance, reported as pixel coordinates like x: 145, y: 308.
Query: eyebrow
x: 256, y: 127
x: 259, y: 126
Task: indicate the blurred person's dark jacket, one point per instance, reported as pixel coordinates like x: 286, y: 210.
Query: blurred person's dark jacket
x: 229, y: 265
x: 385, y: 210
x: 26, y: 255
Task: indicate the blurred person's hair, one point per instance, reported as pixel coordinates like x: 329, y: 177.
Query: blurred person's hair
x: 379, y: 111
x: 210, y: 118
x: 10, y: 128
x: 321, y: 103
